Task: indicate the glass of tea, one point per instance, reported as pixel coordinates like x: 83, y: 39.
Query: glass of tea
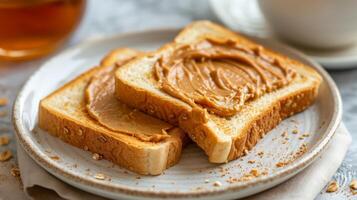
x: 33, y: 28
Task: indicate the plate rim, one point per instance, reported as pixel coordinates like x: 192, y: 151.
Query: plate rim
x: 300, y: 163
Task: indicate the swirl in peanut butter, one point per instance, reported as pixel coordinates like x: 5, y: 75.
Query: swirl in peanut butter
x: 220, y: 76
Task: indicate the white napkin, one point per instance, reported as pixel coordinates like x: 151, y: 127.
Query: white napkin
x: 39, y: 184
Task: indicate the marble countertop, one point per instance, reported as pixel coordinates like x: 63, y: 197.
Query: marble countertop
x: 117, y: 16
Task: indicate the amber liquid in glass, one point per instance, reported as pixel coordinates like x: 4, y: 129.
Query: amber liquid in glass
x: 32, y: 28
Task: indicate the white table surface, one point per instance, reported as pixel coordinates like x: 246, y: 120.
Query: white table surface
x: 117, y: 16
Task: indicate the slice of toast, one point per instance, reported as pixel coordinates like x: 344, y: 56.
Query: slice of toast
x: 63, y: 114
x: 222, y: 138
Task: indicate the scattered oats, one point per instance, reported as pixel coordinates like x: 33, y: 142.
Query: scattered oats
x: 4, y: 140
x: 332, y: 187
x: 54, y: 157
x: 217, y: 184
x: 301, y: 138
x: 15, y: 171
x: 207, y: 181
x: 97, y: 156
x: 85, y: 148
x: 251, y: 161
x: 3, y: 101
x: 295, y: 131
x: 5, y: 155
x: 306, y: 135
x: 254, y: 172
x: 353, y: 184
x: 99, y: 176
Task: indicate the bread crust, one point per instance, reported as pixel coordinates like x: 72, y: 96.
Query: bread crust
x: 82, y: 131
x: 210, y: 135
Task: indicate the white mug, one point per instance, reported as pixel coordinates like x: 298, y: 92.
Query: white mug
x: 313, y: 23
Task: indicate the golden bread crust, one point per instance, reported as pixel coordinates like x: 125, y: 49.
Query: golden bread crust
x: 82, y: 131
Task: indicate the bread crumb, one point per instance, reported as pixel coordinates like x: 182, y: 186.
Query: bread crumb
x: 85, y: 148
x: 261, y: 153
x: 265, y: 173
x: 97, y: 156
x: 251, y: 161
x: 5, y: 155
x: 284, y: 134
x: 354, y: 192
x: 207, y: 181
x: 99, y: 176
x: 332, y: 187
x: 306, y: 135
x: 246, y: 177
x: 54, y: 157
x: 217, y: 184
x: 245, y: 152
x: 295, y: 131
x: 254, y: 172
x: 301, y: 138
x: 4, y: 140
x: 353, y: 184
x: 15, y: 171
x: 280, y: 164
x: 3, y: 101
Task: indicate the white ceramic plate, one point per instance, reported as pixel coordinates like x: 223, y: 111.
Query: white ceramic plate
x: 246, y: 17
x: 193, y: 176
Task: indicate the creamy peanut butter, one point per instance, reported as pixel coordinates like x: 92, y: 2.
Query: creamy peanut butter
x: 220, y: 76
x: 116, y: 116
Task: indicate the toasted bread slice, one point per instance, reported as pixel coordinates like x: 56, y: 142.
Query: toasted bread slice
x: 63, y: 114
x: 222, y: 138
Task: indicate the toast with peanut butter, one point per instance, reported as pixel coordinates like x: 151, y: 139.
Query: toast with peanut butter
x: 85, y: 113
x: 221, y: 88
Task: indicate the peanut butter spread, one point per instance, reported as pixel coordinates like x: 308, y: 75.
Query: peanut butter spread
x: 116, y: 116
x: 220, y: 76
